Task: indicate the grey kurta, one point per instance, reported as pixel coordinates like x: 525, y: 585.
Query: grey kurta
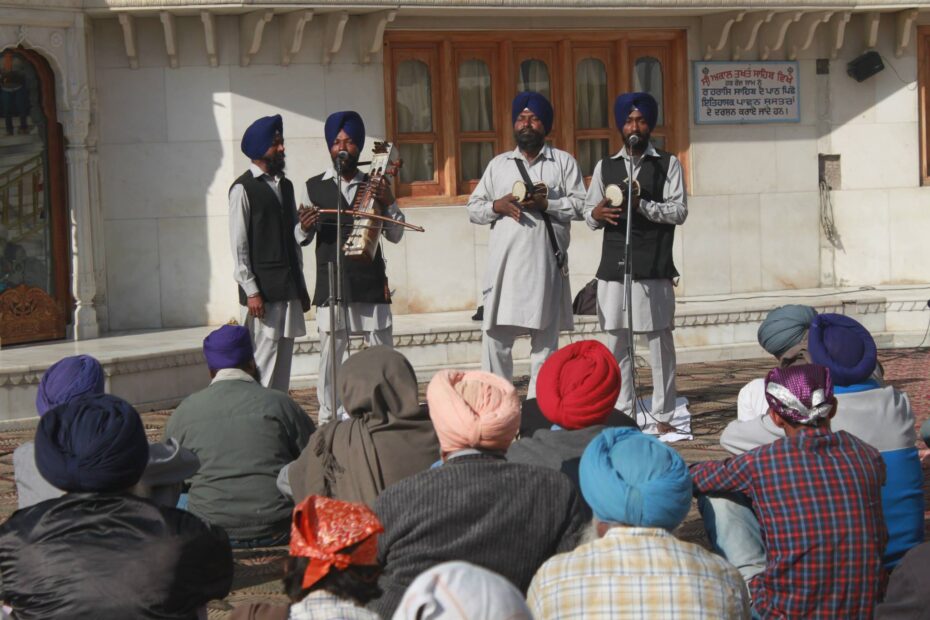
x: 523, y: 286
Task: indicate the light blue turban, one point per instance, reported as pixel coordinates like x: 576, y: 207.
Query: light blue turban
x: 785, y: 327
x: 632, y: 478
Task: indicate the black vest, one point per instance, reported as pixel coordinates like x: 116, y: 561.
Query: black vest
x: 363, y: 282
x: 272, y: 248
x: 652, y: 242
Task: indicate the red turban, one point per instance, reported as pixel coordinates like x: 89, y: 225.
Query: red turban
x: 578, y: 385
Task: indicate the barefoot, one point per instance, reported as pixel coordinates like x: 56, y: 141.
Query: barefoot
x: 665, y: 427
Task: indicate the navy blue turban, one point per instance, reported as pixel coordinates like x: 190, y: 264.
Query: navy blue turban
x: 537, y: 104
x: 69, y: 378
x: 632, y: 478
x: 92, y: 443
x: 644, y: 102
x: 258, y: 137
x: 347, y: 121
x: 785, y: 327
x: 844, y: 346
x: 227, y: 347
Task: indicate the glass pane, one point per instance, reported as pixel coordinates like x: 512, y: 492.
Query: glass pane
x: 418, y: 162
x: 647, y: 77
x: 657, y: 141
x: 414, y: 101
x: 475, y: 158
x: 534, y: 75
x: 25, y: 235
x: 590, y: 152
x: 476, y: 107
x: 591, y: 94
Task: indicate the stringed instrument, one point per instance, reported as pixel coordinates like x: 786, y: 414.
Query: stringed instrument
x: 362, y: 243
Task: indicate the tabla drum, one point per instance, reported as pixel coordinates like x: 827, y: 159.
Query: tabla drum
x: 616, y: 194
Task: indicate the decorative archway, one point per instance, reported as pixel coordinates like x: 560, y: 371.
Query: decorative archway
x: 35, y: 298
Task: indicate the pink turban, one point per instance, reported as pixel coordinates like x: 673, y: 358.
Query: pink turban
x: 473, y: 410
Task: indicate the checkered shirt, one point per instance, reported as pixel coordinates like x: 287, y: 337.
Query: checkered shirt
x: 635, y: 572
x: 321, y: 605
x: 818, y: 499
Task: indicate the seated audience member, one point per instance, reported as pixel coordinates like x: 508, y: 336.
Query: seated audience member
x: 168, y: 467
x: 576, y: 391
x: 477, y: 507
x: 908, y: 593
x: 98, y: 551
x: 640, y: 490
x: 243, y: 434
x: 817, y: 494
x: 387, y: 437
x: 461, y: 591
x: 879, y: 415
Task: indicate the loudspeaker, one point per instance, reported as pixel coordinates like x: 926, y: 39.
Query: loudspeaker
x: 865, y: 66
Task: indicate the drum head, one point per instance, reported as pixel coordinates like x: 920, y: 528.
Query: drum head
x: 519, y: 191
x: 614, y: 194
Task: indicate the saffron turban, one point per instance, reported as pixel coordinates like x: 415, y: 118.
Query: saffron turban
x: 473, y: 410
x: 457, y: 590
x: 785, y: 327
x: 91, y: 443
x: 632, y: 478
x: 230, y: 346
x: 258, y: 137
x: 537, y: 104
x: 578, y: 385
x: 843, y: 345
x: 349, y: 122
x: 801, y: 394
x: 69, y: 378
x: 644, y: 102
x: 322, y: 529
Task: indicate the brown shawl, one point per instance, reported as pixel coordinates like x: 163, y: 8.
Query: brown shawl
x: 388, y: 437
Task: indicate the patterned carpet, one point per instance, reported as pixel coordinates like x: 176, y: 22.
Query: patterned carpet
x: 711, y: 388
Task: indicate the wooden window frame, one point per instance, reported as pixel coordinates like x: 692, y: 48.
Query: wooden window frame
x: 562, y: 50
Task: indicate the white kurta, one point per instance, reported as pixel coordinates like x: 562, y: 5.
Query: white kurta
x: 523, y: 286
x: 653, y: 300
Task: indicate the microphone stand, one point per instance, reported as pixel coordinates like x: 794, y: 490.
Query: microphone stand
x: 335, y: 291
x: 628, y: 276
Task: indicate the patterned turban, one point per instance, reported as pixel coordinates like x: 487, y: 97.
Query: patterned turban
x: 537, y: 104
x: 644, y: 102
x: 258, y: 137
x: 578, y: 385
x: 844, y: 346
x: 230, y: 346
x: 473, y: 410
x: 349, y: 122
x: 785, y: 327
x: 801, y: 394
x: 323, y: 529
x: 69, y: 378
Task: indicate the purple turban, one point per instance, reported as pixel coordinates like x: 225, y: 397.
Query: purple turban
x: 91, y: 443
x: 347, y: 121
x: 644, y: 102
x: 802, y: 394
x: 537, y: 104
x: 258, y: 137
x: 844, y: 346
x: 228, y: 347
x: 69, y: 378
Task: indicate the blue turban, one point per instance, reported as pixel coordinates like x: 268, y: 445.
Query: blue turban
x: 632, y: 478
x: 785, y: 327
x: 347, y: 121
x: 92, y: 443
x: 844, y: 346
x: 536, y: 103
x: 258, y: 137
x: 69, y: 378
x: 228, y: 347
x: 644, y: 102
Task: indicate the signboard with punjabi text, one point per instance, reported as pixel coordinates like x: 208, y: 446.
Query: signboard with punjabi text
x: 746, y: 92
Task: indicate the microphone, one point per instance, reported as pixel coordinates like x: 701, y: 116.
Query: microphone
x: 633, y: 140
x: 343, y: 155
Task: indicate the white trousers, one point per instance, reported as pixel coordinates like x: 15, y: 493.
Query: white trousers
x: 324, y: 380
x: 273, y: 358
x: 662, y: 355
x: 497, y: 350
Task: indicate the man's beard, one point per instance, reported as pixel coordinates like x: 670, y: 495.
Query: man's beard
x: 349, y: 164
x: 275, y: 164
x: 641, y: 143
x: 530, y: 140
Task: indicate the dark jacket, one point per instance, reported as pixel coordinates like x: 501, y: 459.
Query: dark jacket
x: 111, y: 556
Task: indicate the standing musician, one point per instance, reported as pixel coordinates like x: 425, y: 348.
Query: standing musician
x: 660, y: 206
x: 264, y: 233
x: 366, y: 298
x: 526, y: 287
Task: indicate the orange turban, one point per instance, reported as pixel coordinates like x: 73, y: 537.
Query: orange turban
x: 473, y: 410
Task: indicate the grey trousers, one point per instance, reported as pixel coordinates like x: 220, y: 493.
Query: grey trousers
x: 662, y: 354
x: 273, y: 358
x: 324, y: 380
x: 497, y: 350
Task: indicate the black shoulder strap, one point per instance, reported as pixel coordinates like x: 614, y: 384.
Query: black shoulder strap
x: 559, y: 256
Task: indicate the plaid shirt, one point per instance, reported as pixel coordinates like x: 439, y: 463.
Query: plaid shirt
x: 818, y: 499
x: 635, y: 572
